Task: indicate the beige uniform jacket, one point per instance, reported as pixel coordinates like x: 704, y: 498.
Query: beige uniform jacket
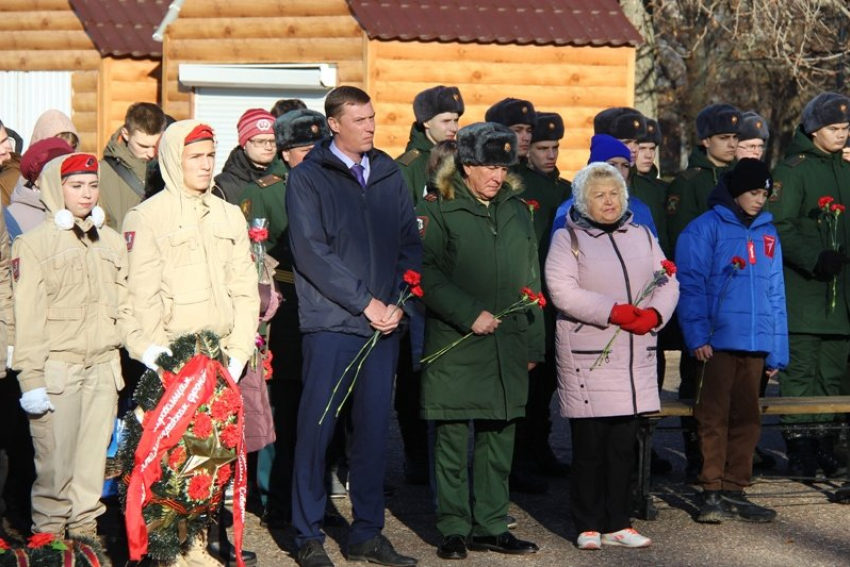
x: 7, y: 319
x: 190, y: 262
x: 70, y: 293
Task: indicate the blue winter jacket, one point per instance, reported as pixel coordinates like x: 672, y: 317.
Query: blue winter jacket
x: 640, y: 211
x: 730, y: 309
x: 349, y: 244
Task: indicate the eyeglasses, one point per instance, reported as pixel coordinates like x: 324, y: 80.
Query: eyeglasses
x: 752, y: 148
x: 261, y: 143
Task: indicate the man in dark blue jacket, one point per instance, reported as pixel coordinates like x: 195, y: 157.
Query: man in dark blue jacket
x: 353, y: 234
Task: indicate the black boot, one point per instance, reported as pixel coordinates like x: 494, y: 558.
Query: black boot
x: 801, y: 456
x: 827, y: 460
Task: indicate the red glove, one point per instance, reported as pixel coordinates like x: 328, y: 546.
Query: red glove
x: 647, y: 320
x: 623, y: 313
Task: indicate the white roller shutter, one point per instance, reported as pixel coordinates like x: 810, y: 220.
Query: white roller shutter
x: 25, y: 95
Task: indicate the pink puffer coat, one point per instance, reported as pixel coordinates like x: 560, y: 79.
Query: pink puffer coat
x: 610, y: 268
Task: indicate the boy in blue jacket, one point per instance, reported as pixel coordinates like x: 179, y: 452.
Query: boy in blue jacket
x: 732, y: 313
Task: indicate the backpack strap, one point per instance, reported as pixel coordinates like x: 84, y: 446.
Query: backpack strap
x: 126, y: 175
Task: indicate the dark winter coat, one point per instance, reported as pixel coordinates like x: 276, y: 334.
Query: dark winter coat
x: 653, y: 191
x: 265, y: 198
x: 237, y: 173
x: 413, y: 163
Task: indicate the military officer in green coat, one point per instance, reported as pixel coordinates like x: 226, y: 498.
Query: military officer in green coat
x: 520, y: 117
x: 295, y: 134
x: 437, y: 111
x: 753, y: 137
x: 819, y: 335
x: 647, y: 186
x: 479, y: 253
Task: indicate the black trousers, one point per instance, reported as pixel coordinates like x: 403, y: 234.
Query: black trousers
x: 603, y: 460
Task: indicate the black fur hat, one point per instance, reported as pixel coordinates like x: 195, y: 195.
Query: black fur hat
x: 621, y: 122
x: 511, y: 111
x: 437, y: 100
x: 718, y: 119
x: 754, y: 126
x: 301, y: 127
x: 825, y: 109
x: 486, y: 143
x: 747, y: 175
x: 548, y: 128
x: 653, y: 133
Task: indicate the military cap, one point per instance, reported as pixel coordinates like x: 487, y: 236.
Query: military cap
x: 825, y: 109
x: 512, y: 111
x: 437, y: 100
x: 753, y: 126
x: 548, y: 128
x: 622, y: 122
x: 718, y: 119
x: 653, y: 133
x: 301, y: 127
x: 486, y: 143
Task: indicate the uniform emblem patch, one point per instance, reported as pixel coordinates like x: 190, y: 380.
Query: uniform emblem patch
x: 246, y: 208
x: 777, y: 191
x: 422, y: 223
x: 673, y: 204
x: 129, y: 238
x: 16, y: 268
x: 769, y: 245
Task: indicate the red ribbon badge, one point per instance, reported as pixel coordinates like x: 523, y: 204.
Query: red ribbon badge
x: 769, y: 245
x: 751, y: 252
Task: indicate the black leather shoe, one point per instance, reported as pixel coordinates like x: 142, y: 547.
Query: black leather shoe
x: 273, y: 519
x: 226, y: 553
x: 379, y: 550
x: 744, y: 509
x: 312, y: 554
x: 453, y: 547
x: 503, y: 543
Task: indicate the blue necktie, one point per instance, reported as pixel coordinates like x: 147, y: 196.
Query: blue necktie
x: 358, y: 170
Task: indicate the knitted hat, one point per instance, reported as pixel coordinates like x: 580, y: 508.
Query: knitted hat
x: 604, y: 147
x: 255, y: 121
x: 548, y: 128
x: 653, y: 133
x: 486, y: 143
x: 38, y: 154
x: 753, y: 126
x: 437, y: 100
x: 718, y: 119
x: 298, y: 128
x: 747, y: 175
x: 511, y: 111
x: 199, y: 133
x: 78, y: 163
x: 621, y: 122
x: 825, y: 109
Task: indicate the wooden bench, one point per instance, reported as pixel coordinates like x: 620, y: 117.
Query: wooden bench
x: 685, y: 408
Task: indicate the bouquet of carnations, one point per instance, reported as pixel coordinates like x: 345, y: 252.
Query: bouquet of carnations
x: 50, y: 550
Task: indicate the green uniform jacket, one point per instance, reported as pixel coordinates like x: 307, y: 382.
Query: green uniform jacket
x: 806, y: 175
x: 687, y: 197
x: 653, y: 191
x: 477, y: 258
x: 549, y: 190
x: 264, y: 198
x: 116, y: 195
x: 413, y: 163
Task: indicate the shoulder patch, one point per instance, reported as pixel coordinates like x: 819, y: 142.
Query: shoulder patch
x: 246, y: 206
x: 408, y: 157
x: 673, y: 204
x: 267, y: 180
x: 422, y: 223
x: 795, y: 160
x: 430, y: 197
x: 690, y: 173
x: 777, y: 192
x: 16, y: 268
x: 129, y: 238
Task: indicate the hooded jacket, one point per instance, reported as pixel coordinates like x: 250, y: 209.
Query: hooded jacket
x: 116, y: 195
x: 732, y: 309
x: 190, y: 263
x: 49, y: 124
x: 349, y: 244
x: 585, y: 283
x: 26, y: 208
x: 237, y: 173
x: 10, y: 172
x: 478, y: 258
x: 7, y: 315
x: 71, y: 289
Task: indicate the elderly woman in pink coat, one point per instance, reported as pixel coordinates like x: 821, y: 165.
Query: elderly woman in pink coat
x: 597, y: 268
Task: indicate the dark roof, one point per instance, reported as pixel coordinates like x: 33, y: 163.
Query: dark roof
x: 539, y: 22
x: 122, y: 27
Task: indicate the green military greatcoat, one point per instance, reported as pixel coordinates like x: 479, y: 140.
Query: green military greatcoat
x: 264, y: 199
x: 549, y: 191
x: 413, y: 163
x: 653, y: 191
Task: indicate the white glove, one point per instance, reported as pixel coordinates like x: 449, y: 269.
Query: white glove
x: 9, y: 352
x: 152, y: 353
x: 36, y: 401
x: 235, y: 368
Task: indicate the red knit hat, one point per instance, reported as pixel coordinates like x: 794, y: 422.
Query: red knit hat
x: 255, y: 121
x: 38, y: 154
x: 200, y: 133
x: 79, y: 163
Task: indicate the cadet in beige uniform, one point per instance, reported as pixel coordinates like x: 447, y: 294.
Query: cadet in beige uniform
x: 190, y: 263
x: 70, y: 280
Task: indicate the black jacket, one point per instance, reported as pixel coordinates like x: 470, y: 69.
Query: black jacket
x: 238, y: 172
x: 349, y: 244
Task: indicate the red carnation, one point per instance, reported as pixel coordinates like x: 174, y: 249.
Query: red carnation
x: 533, y: 205
x: 222, y: 475
x: 268, y: 371
x: 258, y: 234
x: 837, y: 208
x: 202, y: 426
x: 230, y: 435
x: 233, y: 397
x: 412, y: 277
x: 541, y: 301
x: 669, y: 267
x: 824, y: 202
x: 526, y: 291
x: 3, y: 545
x: 738, y: 263
x: 176, y: 458
x: 40, y: 540
x: 417, y: 291
x: 220, y: 409
x: 199, y: 487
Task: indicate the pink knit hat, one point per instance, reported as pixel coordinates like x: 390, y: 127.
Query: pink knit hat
x: 255, y: 121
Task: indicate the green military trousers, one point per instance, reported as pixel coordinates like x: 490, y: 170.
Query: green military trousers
x: 481, y: 512
x: 816, y: 368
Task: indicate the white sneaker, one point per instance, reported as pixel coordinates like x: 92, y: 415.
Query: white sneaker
x: 626, y: 538
x: 589, y: 540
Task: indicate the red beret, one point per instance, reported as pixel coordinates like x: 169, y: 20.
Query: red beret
x: 200, y: 133
x: 38, y: 154
x: 79, y: 163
